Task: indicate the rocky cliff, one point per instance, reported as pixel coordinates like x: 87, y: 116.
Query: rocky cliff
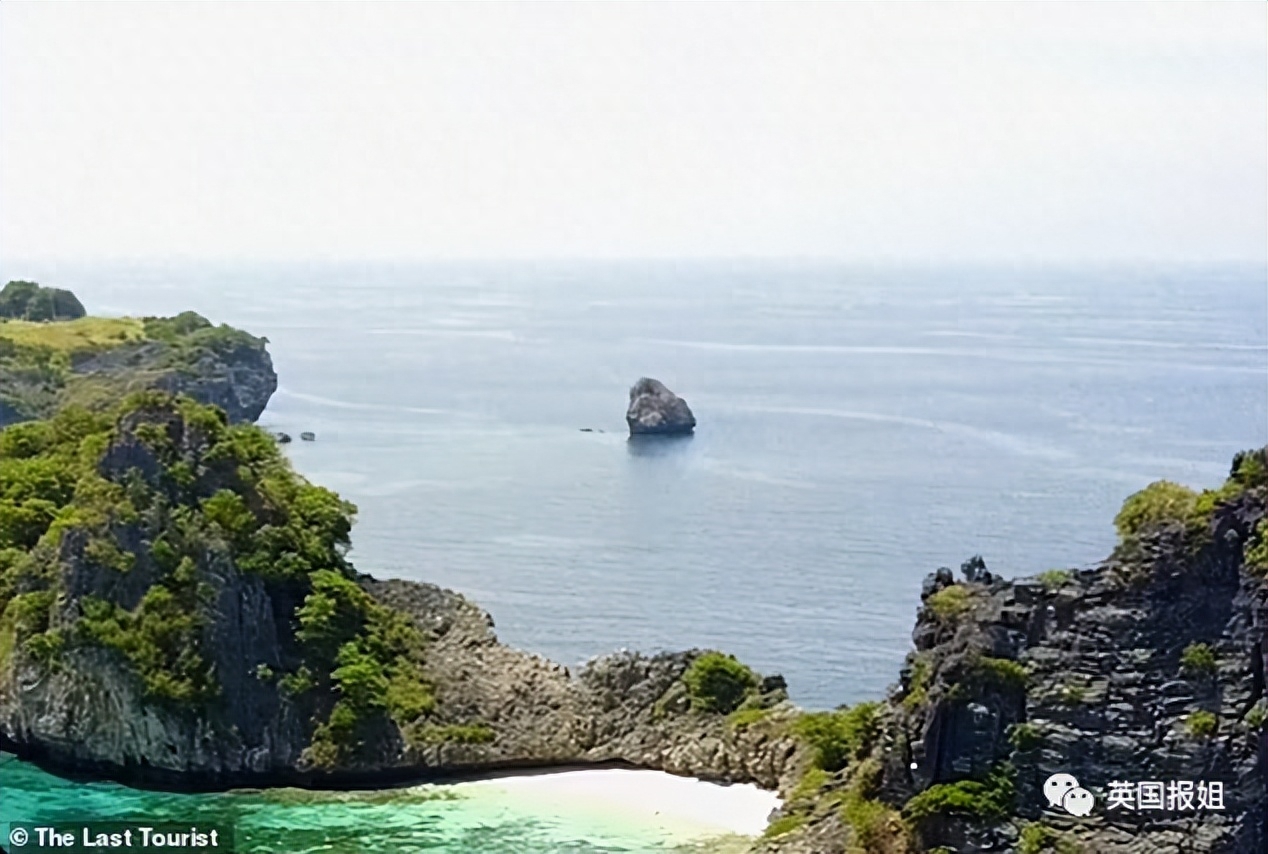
x: 96, y: 362
x: 1148, y: 668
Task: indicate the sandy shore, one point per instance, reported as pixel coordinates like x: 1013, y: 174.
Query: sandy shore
x: 682, y: 807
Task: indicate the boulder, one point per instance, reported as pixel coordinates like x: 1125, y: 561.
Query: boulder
x: 655, y: 410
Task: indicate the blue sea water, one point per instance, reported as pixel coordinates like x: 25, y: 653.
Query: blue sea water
x: 859, y: 427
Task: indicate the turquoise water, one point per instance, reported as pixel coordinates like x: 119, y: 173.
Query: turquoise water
x: 459, y: 819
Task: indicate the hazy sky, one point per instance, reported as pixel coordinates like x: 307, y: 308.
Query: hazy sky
x: 894, y: 130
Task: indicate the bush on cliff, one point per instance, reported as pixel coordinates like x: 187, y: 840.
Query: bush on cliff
x: 950, y: 603
x: 1158, y: 503
x: 1198, y: 661
x: 717, y: 682
x: 839, y: 736
x: 988, y: 799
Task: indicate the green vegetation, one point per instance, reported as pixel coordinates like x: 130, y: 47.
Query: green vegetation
x: 1201, y: 724
x: 988, y: 799
x: 1072, y: 695
x: 998, y: 673
x: 371, y: 655
x: 477, y: 733
x: 950, y: 603
x: 1025, y: 736
x: 918, y: 683
x: 36, y: 359
x: 841, y: 735
x: 161, y: 639
x: 717, y: 682
x: 29, y: 301
x: 1198, y: 661
x: 1256, y: 550
x: 1054, y: 579
x: 741, y: 718
x: 1158, y: 503
x: 197, y: 490
x: 785, y: 824
x: 1037, y: 838
x: 74, y: 337
x: 809, y: 786
x: 1255, y: 718
x: 876, y: 826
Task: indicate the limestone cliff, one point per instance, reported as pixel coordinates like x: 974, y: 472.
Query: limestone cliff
x: 1149, y: 667
x: 95, y: 362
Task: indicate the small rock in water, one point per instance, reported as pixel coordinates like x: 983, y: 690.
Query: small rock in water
x: 282, y: 438
x: 307, y: 436
x: 655, y: 410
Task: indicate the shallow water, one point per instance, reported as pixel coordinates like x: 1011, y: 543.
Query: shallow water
x: 576, y: 812
x: 858, y: 428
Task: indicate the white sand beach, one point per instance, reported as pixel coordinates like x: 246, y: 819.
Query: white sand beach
x: 682, y: 808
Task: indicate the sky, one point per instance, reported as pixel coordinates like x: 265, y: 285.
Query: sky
x: 865, y: 131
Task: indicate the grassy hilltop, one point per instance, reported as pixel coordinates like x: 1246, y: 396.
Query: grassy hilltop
x: 96, y: 361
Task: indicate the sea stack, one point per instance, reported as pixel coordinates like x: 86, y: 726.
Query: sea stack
x: 657, y: 411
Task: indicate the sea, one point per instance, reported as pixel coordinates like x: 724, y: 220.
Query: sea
x: 859, y: 427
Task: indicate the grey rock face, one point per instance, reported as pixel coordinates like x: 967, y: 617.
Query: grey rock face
x: 239, y: 379
x: 655, y: 410
x: 91, y: 715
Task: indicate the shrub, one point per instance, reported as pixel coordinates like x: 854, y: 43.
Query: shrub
x: 1025, y: 736
x: 294, y: 684
x: 783, y: 825
x: 839, y: 736
x: 876, y: 825
x: 1198, y: 660
x: 988, y: 799
x: 1257, y: 716
x: 160, y: 639
x: 1158, y: 503
x: 1255, y: 553
x: 1201, y: 724
x: 950, y: 602
x: 1072, y: 695
x: 918, y: 682
x: 999, y: 673
x: 475, y: 733
x: 1036, y: 838
x: 718, y: 683
x: 741, y: 718
x: 1054, y: 579
x: 809, y: 786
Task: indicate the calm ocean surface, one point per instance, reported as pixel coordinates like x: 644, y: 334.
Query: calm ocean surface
x: 858, y: 428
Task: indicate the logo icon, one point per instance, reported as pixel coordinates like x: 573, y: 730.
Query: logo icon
x: 18, y: 837
x: 1064, y: 792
